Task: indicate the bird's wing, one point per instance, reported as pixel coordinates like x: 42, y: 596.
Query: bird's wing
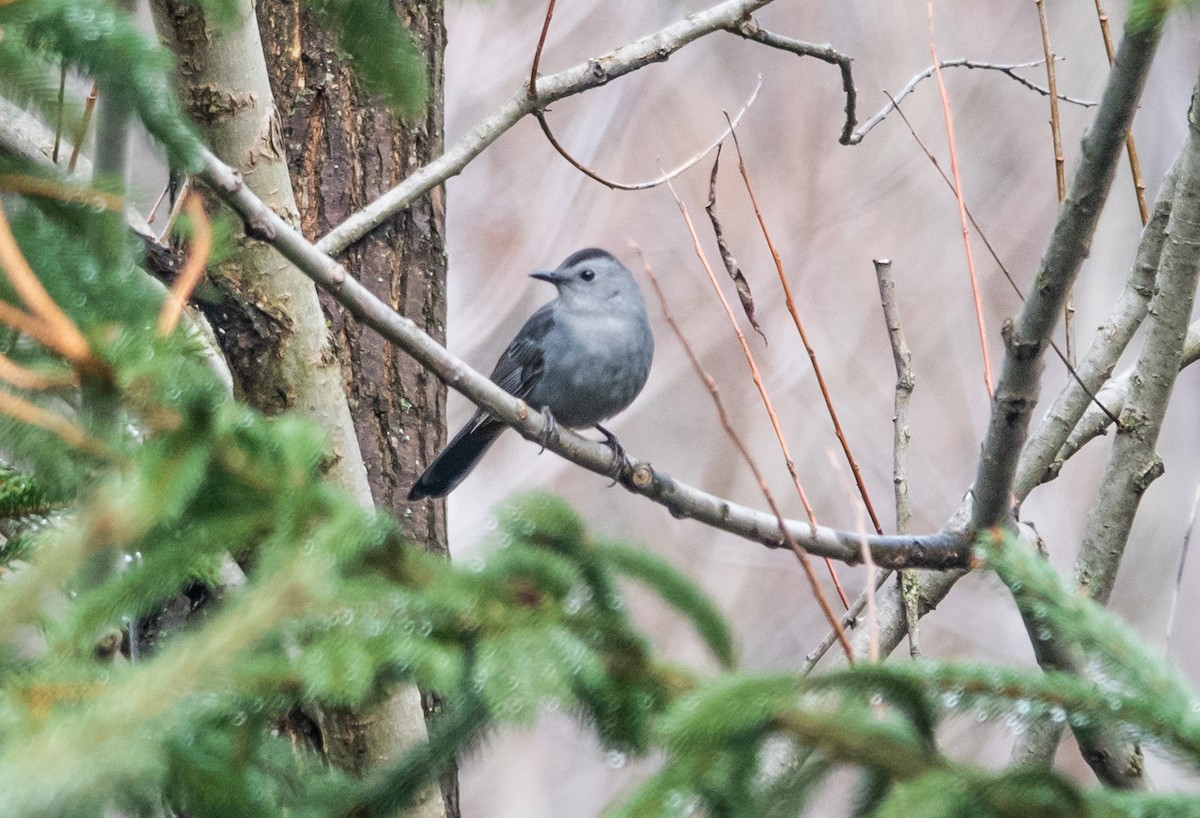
x: 522, y: 364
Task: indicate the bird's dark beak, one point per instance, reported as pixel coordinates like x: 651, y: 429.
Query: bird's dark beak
x: 552, y: 276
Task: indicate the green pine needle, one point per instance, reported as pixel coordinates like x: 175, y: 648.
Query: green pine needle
x: 383, y: 54
x: 676, y: 591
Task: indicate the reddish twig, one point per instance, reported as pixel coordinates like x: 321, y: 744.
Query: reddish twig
x: 812, y: 355
x: 62, y: 191
x: 537, y: 52
x: 962, y: 208
x: 25, y: 324
x: 544, y: 124
x: 868, y: 562
x: 758, y: 381
x: 768, y: 495
x: 1003, y: 269
x: 193, y: 266
x: 747, y: 299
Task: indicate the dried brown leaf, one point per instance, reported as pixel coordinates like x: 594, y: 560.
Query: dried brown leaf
x: 731, y: 265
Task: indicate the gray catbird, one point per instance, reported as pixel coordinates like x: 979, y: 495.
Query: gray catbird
x: 581, y: 358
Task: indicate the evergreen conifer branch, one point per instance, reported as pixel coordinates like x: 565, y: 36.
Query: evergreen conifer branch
x: 1146, y: 679
x: 124, y: 61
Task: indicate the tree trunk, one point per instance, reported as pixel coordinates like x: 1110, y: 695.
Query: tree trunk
x: 275, y: 338
x: 344, y: 151
x: 314, y: 151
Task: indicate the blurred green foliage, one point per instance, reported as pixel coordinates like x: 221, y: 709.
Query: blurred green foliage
x: 178, y: 480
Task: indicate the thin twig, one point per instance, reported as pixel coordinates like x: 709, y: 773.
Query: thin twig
x: 768, y: 495
x: 65, y: 337
x: 1003, y: 268
x: 747, y: 300
x: 1060, y: 169
x: 180, y: 197
x: 1135, y: 166
x: 537, y: 53
x: 153, y: 213
x: 81, y: 134
x: 58, y: 119
x: 901, y: 435
x: 193, y: 266
x: 755, y: 375
x: 812, y: 354
x: 768, y: 404
x: 1007, y: 70
x: 960, y: 198
x: 1183, y: 555
x: 849, y: 619
x: 872, y: 571
x: 663, y: 177
x: 746, y: 27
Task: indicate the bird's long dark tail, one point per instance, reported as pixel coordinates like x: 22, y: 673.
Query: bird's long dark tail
x: 456, y: 460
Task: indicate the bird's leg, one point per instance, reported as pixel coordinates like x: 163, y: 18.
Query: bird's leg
x: 620, y: 459
x: 549, y: 430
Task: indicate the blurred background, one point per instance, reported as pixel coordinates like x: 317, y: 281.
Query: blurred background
x: 831, y: 210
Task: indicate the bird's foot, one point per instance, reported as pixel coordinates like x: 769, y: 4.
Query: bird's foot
x: 621, y: 460
x: 550, y: 430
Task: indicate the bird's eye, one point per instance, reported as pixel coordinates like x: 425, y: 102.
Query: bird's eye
x: 587, y: 275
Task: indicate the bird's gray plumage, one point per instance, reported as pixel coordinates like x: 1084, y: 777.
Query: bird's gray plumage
x: 584, y: 356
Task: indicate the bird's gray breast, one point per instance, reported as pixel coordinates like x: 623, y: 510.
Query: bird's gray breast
x: 595, y: 365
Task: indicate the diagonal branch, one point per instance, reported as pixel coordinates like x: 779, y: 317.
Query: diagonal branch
x: 1026, y: 337
x: 934, y: 587
x: 1133, y: 463
x: 1114, y: 394
x: 656, y: 47
x: 949, y: 549
x: 1041, y: 461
